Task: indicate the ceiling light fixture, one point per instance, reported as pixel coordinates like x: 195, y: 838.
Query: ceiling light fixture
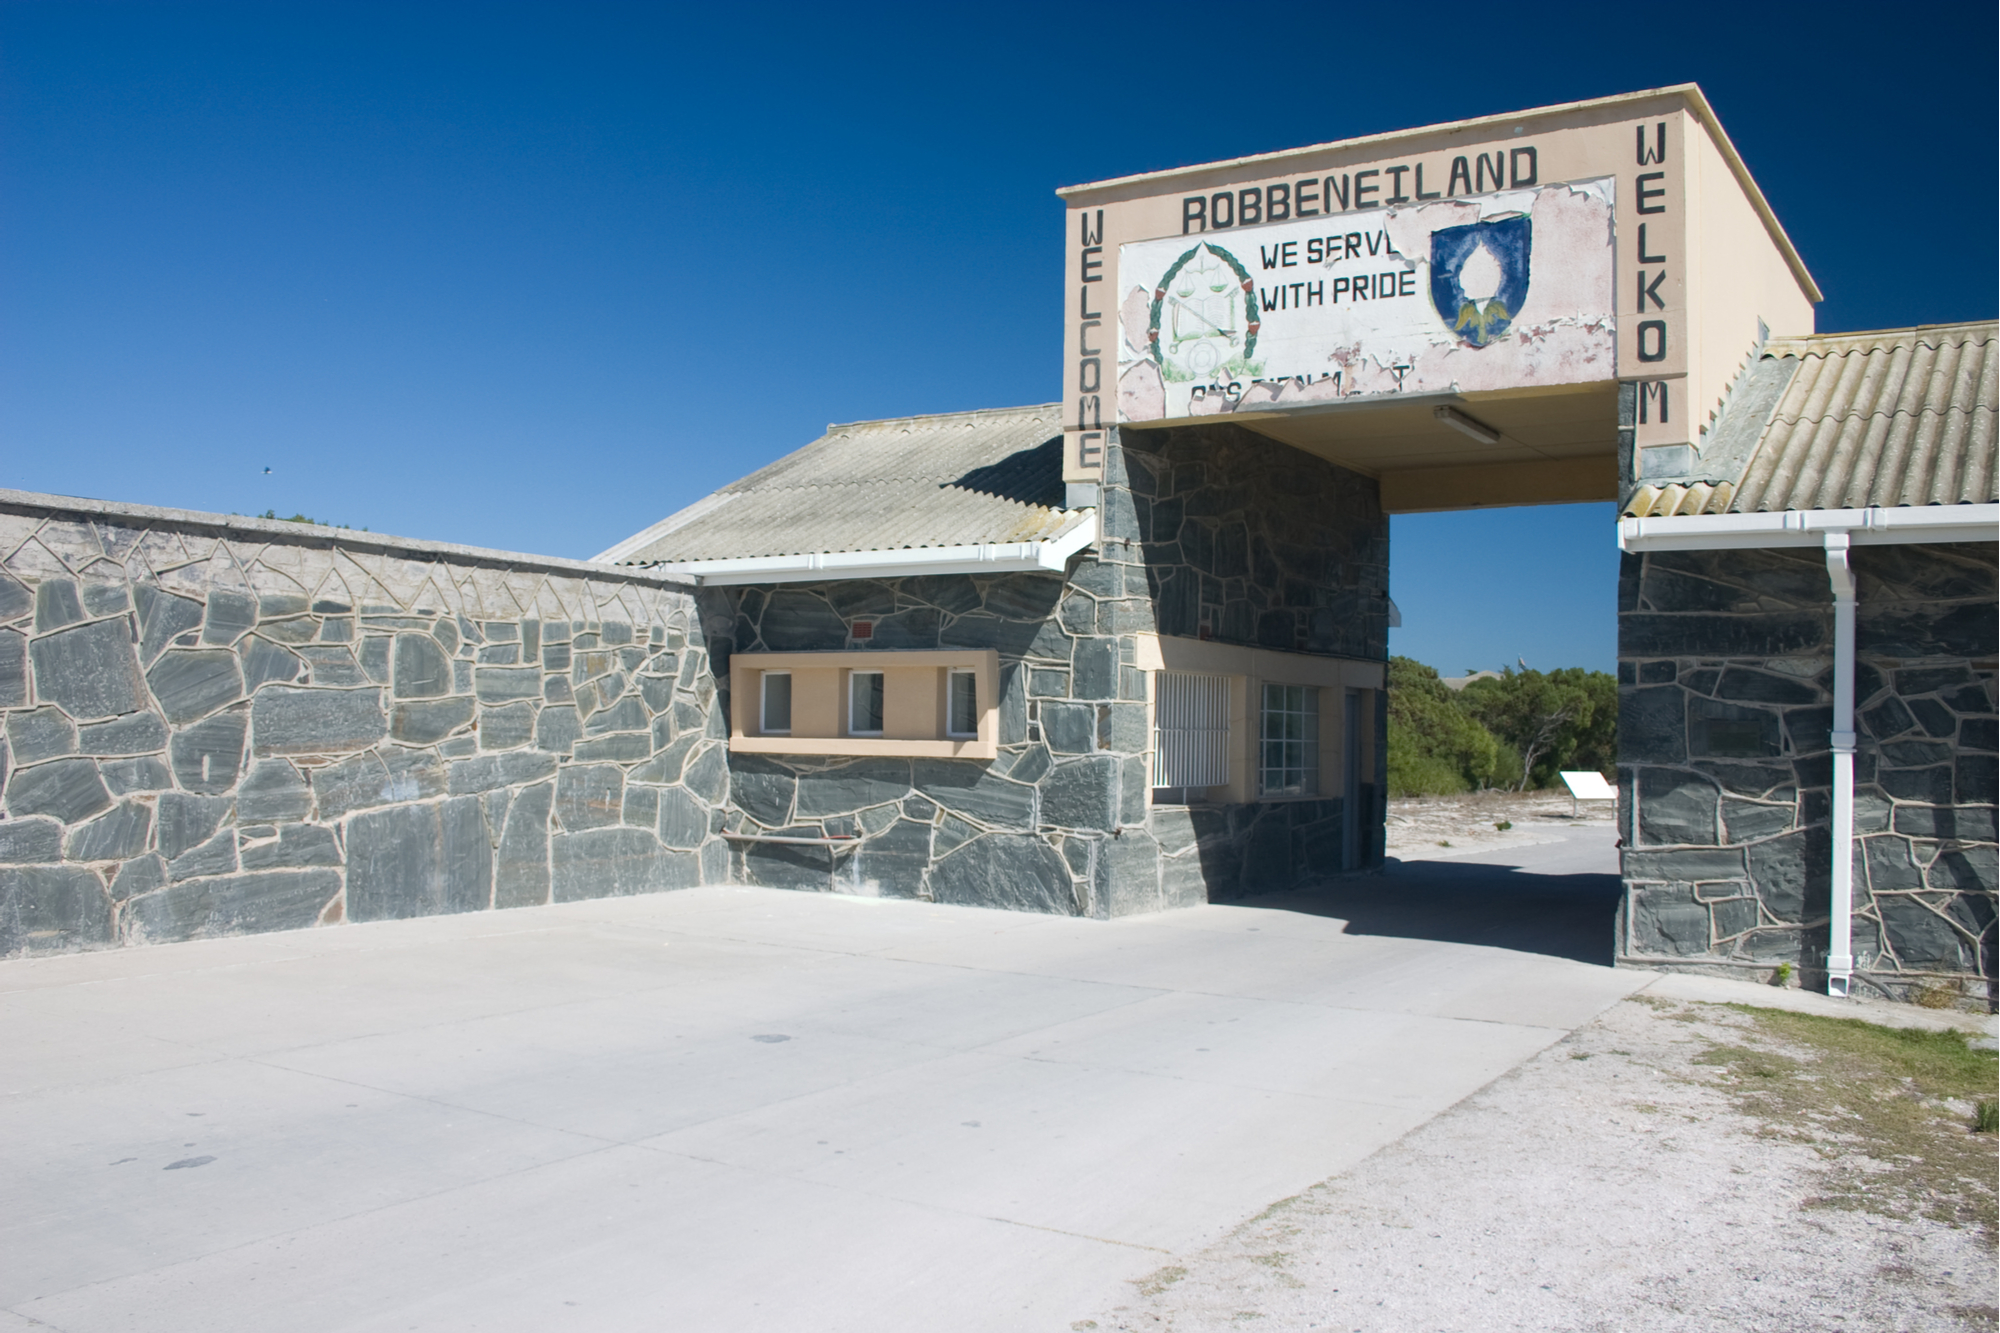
x: 1464, y: 424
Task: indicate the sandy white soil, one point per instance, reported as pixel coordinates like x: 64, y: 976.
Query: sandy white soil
x: 1607, y: 1184
x: 1433, y: 828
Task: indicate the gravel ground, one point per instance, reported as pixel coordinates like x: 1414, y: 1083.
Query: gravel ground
x: 1611, y: 1183
x: 1437, y: 828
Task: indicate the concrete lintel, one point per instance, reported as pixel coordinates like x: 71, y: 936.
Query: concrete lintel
x: 1500, y: 485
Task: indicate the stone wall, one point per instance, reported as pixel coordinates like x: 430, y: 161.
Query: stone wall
x: 224, y: 725
x: 1209, y: 529
x: 1246, y: 541
x: 1725, y: 682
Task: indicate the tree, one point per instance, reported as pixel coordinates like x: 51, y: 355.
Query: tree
x: 1435, y: 746
x: 1550, y: 720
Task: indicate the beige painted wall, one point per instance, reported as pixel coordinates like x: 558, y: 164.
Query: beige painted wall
x: 1715, y: 259
x: 1735, y: 285
x: 913, y: 703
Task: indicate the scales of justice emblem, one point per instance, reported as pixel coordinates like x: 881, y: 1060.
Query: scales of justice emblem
x: 1204, y: 318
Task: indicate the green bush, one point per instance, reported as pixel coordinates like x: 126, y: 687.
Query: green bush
x: 1435, y: 747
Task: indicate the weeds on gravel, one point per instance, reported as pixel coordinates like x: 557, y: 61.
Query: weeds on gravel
x: 1886, y: 1107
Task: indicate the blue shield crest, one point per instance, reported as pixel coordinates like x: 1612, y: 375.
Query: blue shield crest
x: 1485, y: 315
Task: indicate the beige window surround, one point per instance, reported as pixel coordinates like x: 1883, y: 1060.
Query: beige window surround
x: 915, y: 703
x: 1248, y: 670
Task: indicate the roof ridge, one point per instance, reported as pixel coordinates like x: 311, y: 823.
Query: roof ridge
x: 832, y: 426
x: 1885, y: 340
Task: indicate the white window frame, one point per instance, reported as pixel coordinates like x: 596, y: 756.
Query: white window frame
x: 764, y: 727
x: 1191, y: 732
x: 854, y: 679
x: 951, y: 679
x: 1307, y: 714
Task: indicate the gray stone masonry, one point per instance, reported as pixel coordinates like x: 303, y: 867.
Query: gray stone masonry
x: 1208, y: 530
x: 1725, y: 705
x: 211, y: 726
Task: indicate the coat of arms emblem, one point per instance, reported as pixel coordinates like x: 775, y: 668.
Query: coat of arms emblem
x: 1204, y: 317
x: 1479, y: 276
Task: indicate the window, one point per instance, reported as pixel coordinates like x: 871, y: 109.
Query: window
x: 1289, y: 741
x: 939, y: 703
x: 1190, y: 730
x: 961, y: 704
x: 776, y: 717
x: 864, y: 703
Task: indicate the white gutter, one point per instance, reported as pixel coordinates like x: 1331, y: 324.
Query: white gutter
x: 1837, y: 531
x: 1048, y: 556
x: 1808, y: 527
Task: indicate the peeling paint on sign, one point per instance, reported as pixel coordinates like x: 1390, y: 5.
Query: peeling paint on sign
x: 1505, y: 290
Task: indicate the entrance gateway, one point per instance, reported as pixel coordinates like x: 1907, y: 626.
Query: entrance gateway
x: 1511, y: 310
x: 1176, y: 659
x: 1125, y: 650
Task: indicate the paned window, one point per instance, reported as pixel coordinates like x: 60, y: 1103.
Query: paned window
x: 1288, y: 741
x: 1190, y: 730
x: 776, y: 718
x: 962, y: 704
x: 864, y: 703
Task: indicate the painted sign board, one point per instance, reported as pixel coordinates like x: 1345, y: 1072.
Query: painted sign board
x: 1503, y: 290
x: 1615, y: 240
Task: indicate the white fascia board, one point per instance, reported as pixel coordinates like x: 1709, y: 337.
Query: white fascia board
x: 1808, y: 527
x: 1050, y: 556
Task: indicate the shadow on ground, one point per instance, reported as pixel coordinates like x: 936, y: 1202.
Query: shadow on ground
x: 1563, y: 915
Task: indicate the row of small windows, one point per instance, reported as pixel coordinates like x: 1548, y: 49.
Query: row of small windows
x: 865, y: 703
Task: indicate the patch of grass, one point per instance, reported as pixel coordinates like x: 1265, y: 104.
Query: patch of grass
x: 1160, y: 1279
x: 1884, y: 1106
x: 1985, y: 1116
x: 299, y: 518
x: 1504, y: 825
x: 1276, y: 1261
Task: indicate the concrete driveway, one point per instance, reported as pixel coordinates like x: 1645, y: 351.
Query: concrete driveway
x: 745, y: 1109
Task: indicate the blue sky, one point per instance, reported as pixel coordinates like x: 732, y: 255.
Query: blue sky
x: 532, y: 276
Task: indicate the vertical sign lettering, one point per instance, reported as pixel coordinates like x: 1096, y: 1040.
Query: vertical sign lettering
x: 1652, y: 306
x: 1086, y: 390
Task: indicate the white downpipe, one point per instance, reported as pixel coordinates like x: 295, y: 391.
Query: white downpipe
x: 1838, y: 531
x: 1840, y: 922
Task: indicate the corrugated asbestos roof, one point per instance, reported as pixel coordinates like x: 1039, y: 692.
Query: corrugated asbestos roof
x: 950, y: 480
x: 1849, y: 421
